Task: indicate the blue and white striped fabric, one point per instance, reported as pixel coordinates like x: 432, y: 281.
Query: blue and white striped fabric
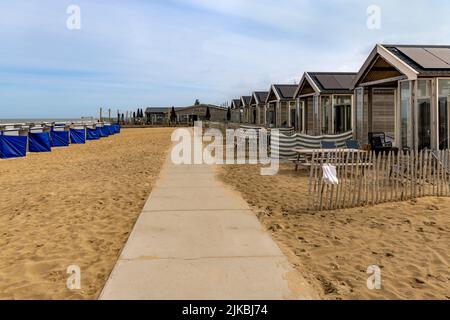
x: 286, y: 143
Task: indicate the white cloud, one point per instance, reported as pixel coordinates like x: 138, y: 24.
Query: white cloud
x: 171, y: 52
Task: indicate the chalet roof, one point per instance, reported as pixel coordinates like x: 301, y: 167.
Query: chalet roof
x: 211, y: 106
x: 282, y: 92
x: 395, y: 62
x: 325, y: 83
x: 158, y: 110
x: 285, y: 91
x: 245, y: 100
x: 259, y: 97
x: 425, y: 59
x: 236, y: 103
x: 333, y: 81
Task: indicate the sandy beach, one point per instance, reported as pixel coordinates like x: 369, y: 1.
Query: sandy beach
x: 74, y: 206
x: 409, y: 241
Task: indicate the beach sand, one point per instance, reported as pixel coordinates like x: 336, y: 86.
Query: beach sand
x: 74, y: 206
x: 409, y: 241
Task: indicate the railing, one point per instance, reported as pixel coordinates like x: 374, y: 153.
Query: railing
x: 368, y: 178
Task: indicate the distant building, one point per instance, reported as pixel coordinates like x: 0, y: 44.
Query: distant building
x: 156, y: 116
x: 198, y: 113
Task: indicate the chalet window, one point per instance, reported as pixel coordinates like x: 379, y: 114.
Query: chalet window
x: 405, y: 113
x: 316, y: 115
x: 424, y: 114
x: 360, y: 114
x: 342, y: 114
x: 301, y: 119
x: 326, y: 109
x: 443, y: 113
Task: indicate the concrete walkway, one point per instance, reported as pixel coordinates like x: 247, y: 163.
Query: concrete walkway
x: 197, y: 239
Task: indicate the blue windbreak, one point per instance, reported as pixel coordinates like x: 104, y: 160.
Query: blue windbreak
x: 13, y: 146
x: 60, y: 138
x: 39, y: 142
x: 77, y: 136
x: 105, y: 131
x: 92, y: 134
x: 99, y: 132
x: 110, y: 130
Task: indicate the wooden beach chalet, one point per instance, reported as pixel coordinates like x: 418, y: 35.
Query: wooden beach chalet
x: 404, y: 91
x: 280, y: 106
x: 236, y: 111
x: 245, y: 105
x: 258, y: 107
x: 325, y: 103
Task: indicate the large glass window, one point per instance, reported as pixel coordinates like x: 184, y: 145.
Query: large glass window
x: 342, y: 114
x: 444, y: 99
x: 361, y: 135
x: 316, y: 124
x: 424, y: 114
x: 292, y: 116
x: 405, y: 110
x: 301, y: 116
x: 326, y: 108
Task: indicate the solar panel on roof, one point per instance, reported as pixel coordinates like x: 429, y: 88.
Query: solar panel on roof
x: 328, y: 81
x: 288, y: 91
x: 424, y: 58
x: 344, y: 80
x: 441, y: 53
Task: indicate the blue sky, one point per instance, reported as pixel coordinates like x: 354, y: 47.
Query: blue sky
x: 138, y: 53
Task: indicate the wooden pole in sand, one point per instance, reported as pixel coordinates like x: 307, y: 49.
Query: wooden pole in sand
x: 101, y: 115
x: 109, y: 115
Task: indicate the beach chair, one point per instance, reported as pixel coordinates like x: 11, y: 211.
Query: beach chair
x: 378, y: 142
x: 328, y: 145
x: 352, y: 144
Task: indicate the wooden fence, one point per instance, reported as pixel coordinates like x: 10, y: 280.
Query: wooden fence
x: 367, y: 178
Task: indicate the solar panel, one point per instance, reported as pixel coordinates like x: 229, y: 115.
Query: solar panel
x: 441, y: 53
x: 345, y: 80
x: 287, y: 91
x: 424, y: 58
x: 328, y: 81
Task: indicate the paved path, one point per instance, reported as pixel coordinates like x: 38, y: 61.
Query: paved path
x: 197, y: 239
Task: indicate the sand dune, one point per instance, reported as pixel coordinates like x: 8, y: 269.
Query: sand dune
x: 74, y: 206
x: 409, y: 241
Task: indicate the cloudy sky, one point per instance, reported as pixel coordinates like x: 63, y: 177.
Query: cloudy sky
x: 139, y: 53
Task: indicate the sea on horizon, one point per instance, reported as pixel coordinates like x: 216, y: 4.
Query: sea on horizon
x: 40, y: 120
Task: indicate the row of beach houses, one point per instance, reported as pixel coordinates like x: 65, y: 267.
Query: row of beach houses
x: 402, y: 91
